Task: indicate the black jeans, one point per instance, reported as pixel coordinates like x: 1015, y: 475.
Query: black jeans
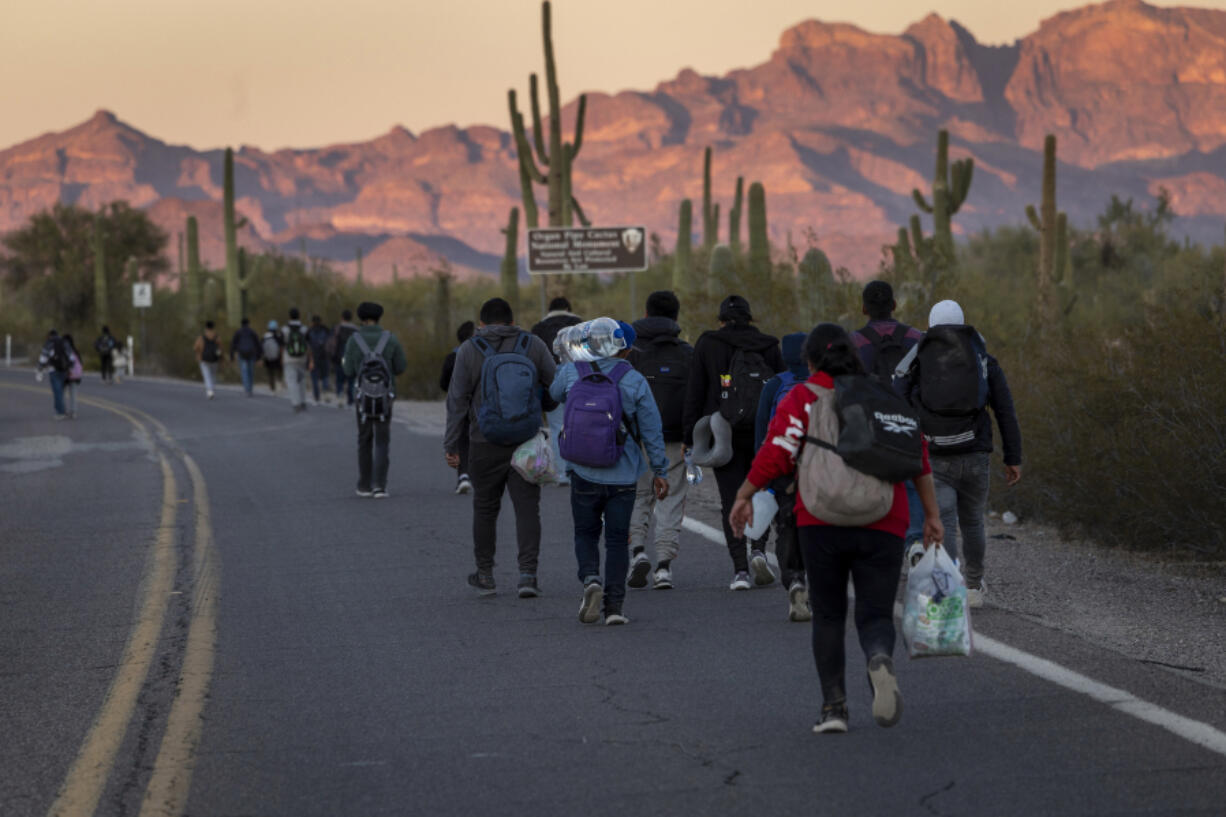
x: 729, y: 478
x: 873, y: 558
x: 373, y: 439
x: 787, y: 546
x: 606, y: 508
x: 491, y: 473
x: 274, y: 372
x: 462, y: 450
x: 108, y: 366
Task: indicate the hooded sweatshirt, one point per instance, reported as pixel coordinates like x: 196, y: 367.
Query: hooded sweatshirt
x: 553, y: 323
x: 713, y: 358
x: 464, y: 393
x: 793, y: 346
x: 654, y: 336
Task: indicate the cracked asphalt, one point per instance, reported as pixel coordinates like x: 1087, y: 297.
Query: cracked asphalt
x: 357, y: 674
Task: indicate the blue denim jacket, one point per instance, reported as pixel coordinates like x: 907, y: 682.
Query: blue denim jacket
x: 638, y: 406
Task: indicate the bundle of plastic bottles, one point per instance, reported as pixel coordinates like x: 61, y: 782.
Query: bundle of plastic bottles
x: 591, y: 340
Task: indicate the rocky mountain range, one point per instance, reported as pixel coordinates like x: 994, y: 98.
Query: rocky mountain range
x: 839, y: 124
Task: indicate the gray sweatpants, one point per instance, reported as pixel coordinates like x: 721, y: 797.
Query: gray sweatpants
x: 296, y: 380
x: 962, y: 482
x: 668, y: 512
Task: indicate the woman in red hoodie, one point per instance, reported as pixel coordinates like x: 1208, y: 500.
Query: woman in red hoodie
x: 871, y: 555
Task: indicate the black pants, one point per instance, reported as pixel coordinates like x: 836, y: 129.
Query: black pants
x: 787, y: 546
x: 462, y: 450
x: 274, y: 371
x: 108, y: 366
x: 373, y: 440
x: 729, y: 478
x: 491, y: 474
x: 873, y: 559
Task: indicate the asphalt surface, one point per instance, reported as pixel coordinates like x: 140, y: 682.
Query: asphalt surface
x: 355, y: 673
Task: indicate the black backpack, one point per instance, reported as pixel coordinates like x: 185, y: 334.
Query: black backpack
x: 105, y: 344
x: 665, y: 363
x: 888, y: 351
x: 211, y: 352
x: 295, y: 341
x: 376, y: 388
x: 741, y: 387
x: 951, y: 386
x: 879, y: 432
x: 61, y: 361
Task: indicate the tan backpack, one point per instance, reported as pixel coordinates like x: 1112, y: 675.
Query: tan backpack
x: 831, y: 489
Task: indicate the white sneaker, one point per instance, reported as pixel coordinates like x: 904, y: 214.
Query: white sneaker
x: 615, y: 619
x: 211, y: 395
x: 589, y: 610
x: 640, y: 566
x: 887, y: 700
x: 798, y: 603
x: 760, y: 568
x: 975, y: 595
x: 740, y: 581
x: 663, y: 578
x: 464, y: 485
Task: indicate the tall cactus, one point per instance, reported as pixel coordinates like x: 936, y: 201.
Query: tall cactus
x: 558, y: 159
x: 395, y: 274
x: 721, y: 277
x: 1046, y: 223
x: 1059, y: 268
x: 948, y: 195
x: 510, y: 261
x: 358, y: 257
x: 904, y: 261
x: 816, y: 275
x: 734, y: 216
x: 442, y: 304
x: 682, y: 257
x: 102, y: 310
x: 234, y: 301
x: 759, y: 245
x: 710, y: 212
x: 194, y: 278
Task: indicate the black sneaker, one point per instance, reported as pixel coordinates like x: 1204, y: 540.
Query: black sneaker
x: 484, y: 582
x: 528, y: 588
x: 887, y: 700
x: 833, y: 719
x: 640, y: 566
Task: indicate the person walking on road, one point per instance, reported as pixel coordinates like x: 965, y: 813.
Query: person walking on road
x: 373, y: 359
x: 336, y: 348
x: 270, y: 350
x: 556, y: 319
x: 246, y: 346
x: 664, y: 359
x: 76, y: 373
x: 54, y: 364
x: 731, y: 365
x: 787, y: 544
x: 463, y: 484
x: 297, y: 350
x: 511, y: 368
x: 604, y: 478
x: 318, y: 360
x: 208, y: 355
x: 953, y: 383
x: 870, y: 554
x: 105, y: 346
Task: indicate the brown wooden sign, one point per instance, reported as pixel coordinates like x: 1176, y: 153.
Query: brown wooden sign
x: 558, y: 250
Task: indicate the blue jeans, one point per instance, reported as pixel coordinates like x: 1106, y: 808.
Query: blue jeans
x: 962, y: 482
x: 915, y: 525
x: 608, y: 507
x: 343, y: 382
x: 57, y: 390
x: 319, y: 377
x: 246, y: 370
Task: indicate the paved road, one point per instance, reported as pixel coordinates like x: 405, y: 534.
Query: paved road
x: 201, y: 618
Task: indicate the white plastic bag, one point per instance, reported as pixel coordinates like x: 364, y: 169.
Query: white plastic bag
x: 534, y: 460
x: 935, y: 618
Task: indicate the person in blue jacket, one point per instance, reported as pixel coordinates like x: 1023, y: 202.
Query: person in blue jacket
x: 603, y: 498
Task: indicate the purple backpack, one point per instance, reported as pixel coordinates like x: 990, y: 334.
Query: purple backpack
x: 592, y: 430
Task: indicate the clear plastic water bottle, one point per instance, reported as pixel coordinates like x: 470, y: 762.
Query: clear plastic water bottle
x: 693, y: 473
x: 590, y: 340
x: 765, y: 506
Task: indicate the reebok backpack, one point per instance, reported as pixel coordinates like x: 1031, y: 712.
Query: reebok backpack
x: 272, y: 349
x: 375, y: 387
x: 510, y: 410
x: 879, y: 432
x: 295, y: 341
x: 666, y: 366
x: 741, y: 388
x: 888, y: 351
x: 593, y: 432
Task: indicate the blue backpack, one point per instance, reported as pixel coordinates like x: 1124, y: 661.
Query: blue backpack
x: 787, y: 381
x: 593, y: 433
x: 510, y: 411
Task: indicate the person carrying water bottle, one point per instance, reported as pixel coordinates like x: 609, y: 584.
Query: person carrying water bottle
x: 610, y: 418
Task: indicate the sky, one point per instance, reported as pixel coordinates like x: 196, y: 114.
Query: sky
x: 305, y: 73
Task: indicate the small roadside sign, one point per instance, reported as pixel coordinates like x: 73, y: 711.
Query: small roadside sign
x: 559, y: 250
x: 142, y: 296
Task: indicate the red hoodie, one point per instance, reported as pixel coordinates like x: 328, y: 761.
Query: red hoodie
x: 784, y: 440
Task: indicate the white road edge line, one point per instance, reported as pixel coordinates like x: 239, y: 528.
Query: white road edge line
x: 1202, y: 734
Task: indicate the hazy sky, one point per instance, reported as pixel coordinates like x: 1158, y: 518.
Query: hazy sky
x: 301, y: 73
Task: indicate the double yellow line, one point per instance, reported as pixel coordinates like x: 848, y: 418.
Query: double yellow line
x: 169, y: 784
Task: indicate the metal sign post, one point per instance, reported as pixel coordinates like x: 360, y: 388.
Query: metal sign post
x: 142, y: 299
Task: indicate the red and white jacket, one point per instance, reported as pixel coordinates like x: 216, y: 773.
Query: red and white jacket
x: 784, y: 441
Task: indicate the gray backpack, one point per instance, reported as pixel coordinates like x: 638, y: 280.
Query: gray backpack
x: 376, y: 388
x: 831, y: 489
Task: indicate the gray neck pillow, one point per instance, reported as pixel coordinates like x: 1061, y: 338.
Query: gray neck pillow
x: 712, y: 441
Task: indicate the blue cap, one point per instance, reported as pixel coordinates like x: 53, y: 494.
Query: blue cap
x: 272, y: 324
x: 628, y: 333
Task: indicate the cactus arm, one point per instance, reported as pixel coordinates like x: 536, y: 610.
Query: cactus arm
x: 1061, y: 249
x: 538, y: 134
x: 1033, y: 216
x: 920, y: 202
x: 579, y: 214
x: 917, y: 233
x: 579, y: 116
x: 962, y: 173
x: 715, y: 224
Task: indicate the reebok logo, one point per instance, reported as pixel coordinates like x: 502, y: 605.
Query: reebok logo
x: 897, y: 423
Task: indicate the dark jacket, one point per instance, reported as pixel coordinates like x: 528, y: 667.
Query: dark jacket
x: 793, y: 346
x: 712, y: 358
x: 865, y: 347
x: 554, y: 322
x: 444, y: 381
x: 245, y: 344
x: 651, y: 335
x: 393, y: 352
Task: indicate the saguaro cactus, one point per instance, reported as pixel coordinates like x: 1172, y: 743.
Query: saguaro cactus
x: 442, y: 304
x: 509, y: 272
x: 721, y: 276
x: 682, y: 256
x: 194, y: 283
x: 395, y: 274
x: 759, y: 245
x: 710, y: 212
x: 234, y: 298
x: 102, y: 309
x: 815, y: 276
x: 734, y: 216
x: 558, y: 159
x: 358, y: 257
x: 1046, y: 223
x: 948, y: 195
